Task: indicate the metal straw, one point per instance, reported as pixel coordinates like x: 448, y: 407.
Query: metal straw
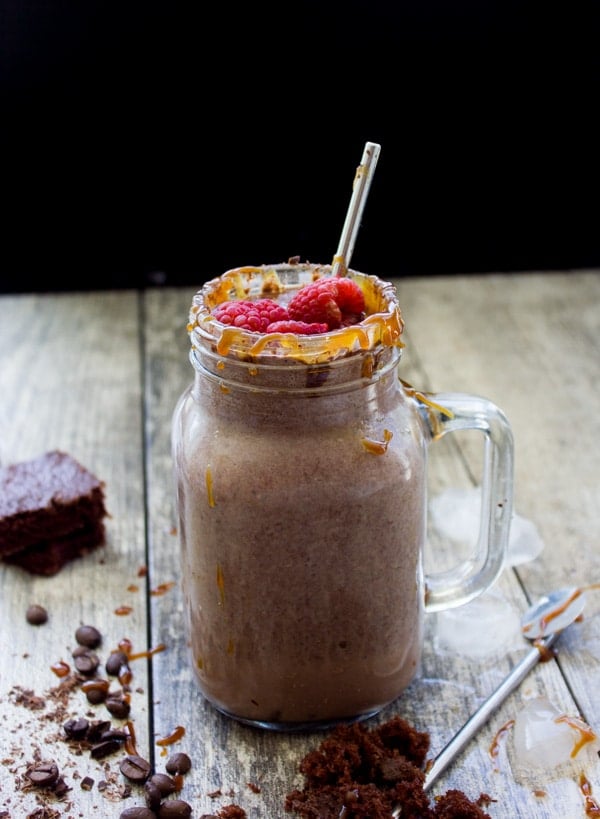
x: 360, y: 190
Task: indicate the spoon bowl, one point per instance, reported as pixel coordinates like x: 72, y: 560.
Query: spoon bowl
x: 553, y: 612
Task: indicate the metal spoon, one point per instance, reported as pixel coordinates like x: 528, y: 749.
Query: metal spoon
x: 542, y: 622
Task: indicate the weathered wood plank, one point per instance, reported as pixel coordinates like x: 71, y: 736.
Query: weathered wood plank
x: 70, y: 379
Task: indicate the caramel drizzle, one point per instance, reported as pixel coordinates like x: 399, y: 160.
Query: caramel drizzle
x: 123, y: 611
x: 150, y: 653
x: 494, y: 748
x: 60, y: 668
x: 383, y: 323
x: 556, y: 612
x: 173, y: 737
x: 162, y: 588
x: 209, y: 487
x: 585, y: 732
x: 592, y: 808
x: 221, y: 584
x: 420, y: 396
x: 378, y: 447
x: 552, y: 615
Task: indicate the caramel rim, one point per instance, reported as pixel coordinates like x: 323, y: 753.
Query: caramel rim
x: 382, y: 326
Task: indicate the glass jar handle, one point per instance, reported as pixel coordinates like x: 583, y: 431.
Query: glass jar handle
x: 449, y: 412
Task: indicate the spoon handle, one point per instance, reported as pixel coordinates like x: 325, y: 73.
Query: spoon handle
x: 481, y: 716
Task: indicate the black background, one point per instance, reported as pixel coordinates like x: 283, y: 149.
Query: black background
x: 164, y: 142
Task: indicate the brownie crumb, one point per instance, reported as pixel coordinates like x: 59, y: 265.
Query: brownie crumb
x: 362, y: 773
x: 232, y: 812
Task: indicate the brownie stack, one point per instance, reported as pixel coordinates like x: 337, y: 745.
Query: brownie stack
x: 52, y: 510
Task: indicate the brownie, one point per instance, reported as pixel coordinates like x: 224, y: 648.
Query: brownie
x: 362, y: 773
x: 52, y: 510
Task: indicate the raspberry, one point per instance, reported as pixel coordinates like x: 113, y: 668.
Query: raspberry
x: 250, y: 315
x: 301, y: 328
x: 337, y: 302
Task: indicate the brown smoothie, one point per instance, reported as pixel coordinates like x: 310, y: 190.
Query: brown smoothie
x: 301, y: 491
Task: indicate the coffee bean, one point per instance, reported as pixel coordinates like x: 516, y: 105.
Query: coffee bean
x: 137, y: 813
x: 115, y: 733
x: 88, y: 636
x: 135, y: 768
x: 97, y: 730
x: 174, y: 809
x: 178, y: 764
x: 42, y: 774
x: 96, y: 691
x: 152, y: 795
x: 117, y: 706
x: 36, y: 615
x: 76, y: 728
x: 164, y: 783
x: 117, y: 660
x: 105, y: 748
x: 85, y: 660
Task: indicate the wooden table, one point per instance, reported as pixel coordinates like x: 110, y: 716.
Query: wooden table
x: 97, y: 374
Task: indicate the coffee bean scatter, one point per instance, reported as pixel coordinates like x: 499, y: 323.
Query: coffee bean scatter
x: 102, y: 739
x: 138, y: 812
x: 116, y: 663
x: 95, y: 691
x: 152, y: 795
x: 165, y: 784
x: 46, y: 776
x: 135, y: 768
x: 76, y: 728
x: 42, y: 774
x: 174, y: 809
x: 86, y: 661
x: 157, y: 788
x: 117, y: 706
x: 179, y: 763
x: 88, y: 636
x: 36, y: 615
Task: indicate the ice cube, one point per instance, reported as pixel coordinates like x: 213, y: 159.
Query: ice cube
x: 524, y: 542
x: 544, y: 737
x: 486, y: 625
x: 454, y: 514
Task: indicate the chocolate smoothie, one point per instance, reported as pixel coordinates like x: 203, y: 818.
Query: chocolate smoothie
x: 300, y: 465
x: 300, y: 472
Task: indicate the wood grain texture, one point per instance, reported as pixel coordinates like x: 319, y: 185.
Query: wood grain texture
x: 99, y: 375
